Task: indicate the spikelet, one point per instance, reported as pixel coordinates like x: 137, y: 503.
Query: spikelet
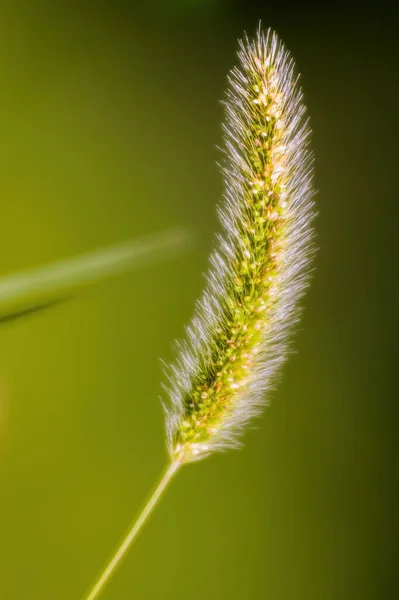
x: 239, y: 336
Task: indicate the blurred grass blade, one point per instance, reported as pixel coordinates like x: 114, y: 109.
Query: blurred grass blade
x: 35, y: 289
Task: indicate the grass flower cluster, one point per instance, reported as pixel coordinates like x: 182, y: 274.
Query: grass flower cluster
x: 239, y: 336
x: 238, y: 339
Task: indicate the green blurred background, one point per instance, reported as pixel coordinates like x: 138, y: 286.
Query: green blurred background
x: 109, y: 120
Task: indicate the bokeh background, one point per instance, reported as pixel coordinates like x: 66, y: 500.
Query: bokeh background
x: 109, y: 120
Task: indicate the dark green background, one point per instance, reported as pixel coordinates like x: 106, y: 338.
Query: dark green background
x: 109, y: 118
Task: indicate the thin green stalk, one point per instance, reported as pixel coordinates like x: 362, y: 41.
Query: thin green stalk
x: 133, y: 532
x: 21, y: 292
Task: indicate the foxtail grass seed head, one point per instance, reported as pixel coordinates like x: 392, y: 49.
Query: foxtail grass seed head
x: 239, y: 336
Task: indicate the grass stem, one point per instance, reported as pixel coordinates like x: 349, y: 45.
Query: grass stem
x: 133, y: 532
x: 21, y: 292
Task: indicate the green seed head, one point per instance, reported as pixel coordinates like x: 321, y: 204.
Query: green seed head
x: 238, y: 338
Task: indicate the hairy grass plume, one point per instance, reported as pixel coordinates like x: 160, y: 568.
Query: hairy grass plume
x: 239, y: 336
